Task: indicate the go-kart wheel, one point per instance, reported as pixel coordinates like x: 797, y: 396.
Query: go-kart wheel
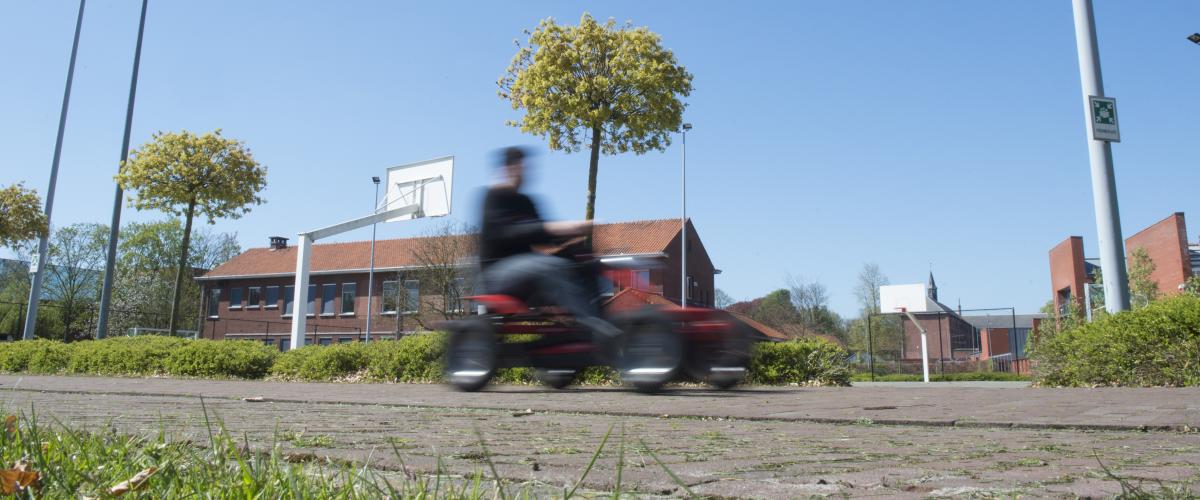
x: 471, y: 356
x: 728, y: 363
x: 651, y: 353
x: 556, y: 379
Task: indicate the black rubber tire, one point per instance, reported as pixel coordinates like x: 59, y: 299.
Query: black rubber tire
x: 556, y: 379
x: 651, y: 352
x: 729, y: 364
x: 471, y: 355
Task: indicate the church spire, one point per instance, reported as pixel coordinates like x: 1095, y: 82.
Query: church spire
x: 932, y: 287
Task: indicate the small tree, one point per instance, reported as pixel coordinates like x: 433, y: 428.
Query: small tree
x: 21, y: 216
x: 616, y: 88
x: 73, y: 274
x: 182, y: 174
x: 1142, y: 287
x: 722, y: 300
x: 445, y: 257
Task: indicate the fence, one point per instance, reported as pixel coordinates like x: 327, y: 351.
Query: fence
x: 61, y: 322
x: 963, y: 341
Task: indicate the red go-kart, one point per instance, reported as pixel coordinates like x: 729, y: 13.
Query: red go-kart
x: 657, y: 345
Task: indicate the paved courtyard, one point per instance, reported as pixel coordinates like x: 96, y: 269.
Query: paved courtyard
x: 888, y: 441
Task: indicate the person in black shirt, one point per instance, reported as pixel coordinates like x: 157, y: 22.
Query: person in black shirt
x: 510, y: 229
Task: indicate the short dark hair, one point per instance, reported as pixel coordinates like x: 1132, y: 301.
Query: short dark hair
x: 512, y: 155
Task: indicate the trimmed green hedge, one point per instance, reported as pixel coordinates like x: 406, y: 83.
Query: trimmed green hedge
x: 1157, y: 345
x: 948, y: 377
x: 806, y: 361
x: 415, y: 358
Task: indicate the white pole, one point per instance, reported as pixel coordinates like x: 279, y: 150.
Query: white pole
x: 1104, y: 184
x: 371, y: 273
x: 300, y: 297
x: 924, y: 345
x: 38, y: 269
x: 683, y: 288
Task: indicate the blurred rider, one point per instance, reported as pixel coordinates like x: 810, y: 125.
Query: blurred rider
x: 509, y: 265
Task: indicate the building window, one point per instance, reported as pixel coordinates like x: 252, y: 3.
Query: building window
x: 214, y: 302
x: 412, y: 295
x: 285, y: 344
x: 312, y: 300
x: 272, y: 297
x: 235, y: 298
x: 325, y: 341
x: 391, y: 296
x: 289, y: 300
x: 328, y: 293
x: 455, y: 303
x: 253, y: 297
x: 270, y: 342
x: 640, y: 279
x: 690, y: 286
x: 349, y: 291
x: 345, y: 340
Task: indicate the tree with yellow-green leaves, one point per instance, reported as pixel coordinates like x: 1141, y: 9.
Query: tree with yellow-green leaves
x: 617, y: 89
x: 187, y: 174
x: 21, y: 217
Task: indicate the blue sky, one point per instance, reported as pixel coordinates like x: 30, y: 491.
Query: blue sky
x: 911, y: 134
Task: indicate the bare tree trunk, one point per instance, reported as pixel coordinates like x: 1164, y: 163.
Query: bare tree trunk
x: 592, y: 168
x: 183, y: 259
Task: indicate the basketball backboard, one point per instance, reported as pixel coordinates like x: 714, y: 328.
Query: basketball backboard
x: 424, y: 184
x: 913, y: 298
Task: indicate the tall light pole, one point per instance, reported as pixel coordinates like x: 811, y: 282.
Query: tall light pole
x: 371, y: 273
x: 1104, y: 184
x: 683, y: 281
x: 38, y: 268
x: 114, y: 228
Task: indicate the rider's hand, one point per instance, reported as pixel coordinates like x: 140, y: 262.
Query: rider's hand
x: 568, y: 228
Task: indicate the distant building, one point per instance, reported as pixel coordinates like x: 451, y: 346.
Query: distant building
x: 1166, y: 242
x: 251, y: 295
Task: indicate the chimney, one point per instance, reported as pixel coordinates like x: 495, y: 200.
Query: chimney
x: 278, y: 243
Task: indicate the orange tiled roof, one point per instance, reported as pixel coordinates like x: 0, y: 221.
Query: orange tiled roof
x: 632, y: 299
x: 621, y: 238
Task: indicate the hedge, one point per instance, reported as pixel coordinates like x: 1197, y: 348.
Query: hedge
x: 415, y: 358
x: 1157, y: 345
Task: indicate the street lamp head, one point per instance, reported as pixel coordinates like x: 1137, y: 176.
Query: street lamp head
x: 375, y: 179
x: 687, y: 126
x: 1195, y: 38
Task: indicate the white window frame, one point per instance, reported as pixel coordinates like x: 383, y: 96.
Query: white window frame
x: 383, y: 297
x: 250, y: 292
x: 214, y: 303
x: 237, y: 307
x: 353, y: 299
x: 413, y: 299
x: 272, y: 304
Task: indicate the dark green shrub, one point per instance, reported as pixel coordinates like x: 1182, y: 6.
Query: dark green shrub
x: 323, y: 363
x: 414, y: 358
x: 804, y: 361
x: 1157, y: 345
x: 145, y: 355
x: 227, y: 358
x: 948, y: 377
x: 34, y: 356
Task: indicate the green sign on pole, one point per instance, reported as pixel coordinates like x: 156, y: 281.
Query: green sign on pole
x: 1104, y: 119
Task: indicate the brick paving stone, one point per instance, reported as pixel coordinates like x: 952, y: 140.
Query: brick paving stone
x: 747, y: 456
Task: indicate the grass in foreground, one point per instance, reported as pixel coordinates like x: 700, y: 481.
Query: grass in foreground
x: 52, y: 460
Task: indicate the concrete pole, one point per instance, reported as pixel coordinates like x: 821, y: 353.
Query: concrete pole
x: 300, y: 297
x: 683, y: 288
x: 35, y: 288
x: 371, y: 273
x: 1104, y: 184
x: 114, y: 228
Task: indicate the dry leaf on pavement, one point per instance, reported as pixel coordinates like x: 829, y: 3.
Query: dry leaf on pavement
x: 132, y: 483
x: 13, y: 481
x: 10, y: 424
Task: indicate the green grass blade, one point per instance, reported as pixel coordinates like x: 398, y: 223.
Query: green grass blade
x: 591, y: 462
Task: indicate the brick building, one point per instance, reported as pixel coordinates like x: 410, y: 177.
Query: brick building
x: 250, y: 296
x: 1175, y: 260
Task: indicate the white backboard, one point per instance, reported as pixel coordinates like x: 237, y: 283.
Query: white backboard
x: 426, y: 184
x: 910, y: 297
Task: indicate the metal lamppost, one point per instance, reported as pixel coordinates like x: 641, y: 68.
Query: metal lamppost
x: 38, y: 264
x: 683, y: 281
x: 371, y: 273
